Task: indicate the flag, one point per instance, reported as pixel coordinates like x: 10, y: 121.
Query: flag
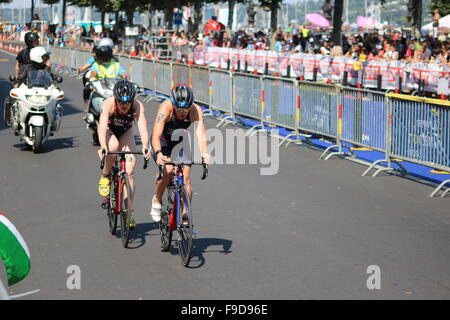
x: 13, y: 251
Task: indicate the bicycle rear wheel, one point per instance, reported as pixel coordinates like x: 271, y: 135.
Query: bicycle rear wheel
x: 112, y: 216
x: 185, y: 230
x: 125, y: 210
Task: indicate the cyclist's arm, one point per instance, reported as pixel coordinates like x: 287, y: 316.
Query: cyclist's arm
x: 158, y: 126
x: 200, y: 129
x: 103, y: 122
x: 142, y: 124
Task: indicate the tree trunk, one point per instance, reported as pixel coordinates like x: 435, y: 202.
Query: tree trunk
x: 103, y: 19
x: 169, y: 18
x: 274, y: 16
x: 63, y: 17
x: 130, y: 15
x: 417, y: 17
x: 231, y: 4
x: 32, y: 10
x: 337, y: 22
x: 116, y: 19
x: 197, y: 14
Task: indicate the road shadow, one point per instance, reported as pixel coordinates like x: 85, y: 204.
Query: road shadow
x: 50, y: 145
x: 138, y: 236
x: 200, y: 246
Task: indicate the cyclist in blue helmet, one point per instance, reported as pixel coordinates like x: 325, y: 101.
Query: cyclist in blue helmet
x: 178, y: 112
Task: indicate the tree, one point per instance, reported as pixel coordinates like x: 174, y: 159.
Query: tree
x: 327, y: 9
x: 415, y: 15
x: 273, y: 6
x: 442, y: 5
x: 337, y: 22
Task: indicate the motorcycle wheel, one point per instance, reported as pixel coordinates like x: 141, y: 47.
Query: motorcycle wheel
x: 38, y: 137
x: 95, y: 142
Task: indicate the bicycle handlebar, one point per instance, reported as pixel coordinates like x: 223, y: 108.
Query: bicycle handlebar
x: 102, y: 162
x: 181, y: 164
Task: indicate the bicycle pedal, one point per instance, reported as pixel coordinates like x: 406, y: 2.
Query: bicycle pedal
x: 104, y: 205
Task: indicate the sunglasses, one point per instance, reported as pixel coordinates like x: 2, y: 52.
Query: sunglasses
x: 183, y: 109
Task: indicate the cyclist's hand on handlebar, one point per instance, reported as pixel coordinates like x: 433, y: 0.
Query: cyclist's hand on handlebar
x: 102, y: 153
x: 146, y: 152
x: 206, y: 158
x: 161, y: 159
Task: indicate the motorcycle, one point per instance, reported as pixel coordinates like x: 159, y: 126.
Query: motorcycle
x: 101, y: 90
x: 36, y: 113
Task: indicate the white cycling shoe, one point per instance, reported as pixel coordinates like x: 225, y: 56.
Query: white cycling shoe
x: 155, y: 212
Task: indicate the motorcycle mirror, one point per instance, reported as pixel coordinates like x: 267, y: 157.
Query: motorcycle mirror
x: 59, y: 79
x: 12, y: 78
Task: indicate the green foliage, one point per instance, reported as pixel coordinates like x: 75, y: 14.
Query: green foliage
x: 442, y: 5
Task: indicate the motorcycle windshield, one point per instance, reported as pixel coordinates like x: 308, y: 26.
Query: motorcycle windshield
x: 39, y: 78
x: 108, y: 83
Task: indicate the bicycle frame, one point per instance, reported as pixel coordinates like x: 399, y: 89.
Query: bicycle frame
x: 178, y: 178
x: 120, y: 164
x: 178, y: 183
x: 122, y: 171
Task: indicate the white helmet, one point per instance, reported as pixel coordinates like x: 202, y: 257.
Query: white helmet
x: 106, y: 42
x: 37, y: 54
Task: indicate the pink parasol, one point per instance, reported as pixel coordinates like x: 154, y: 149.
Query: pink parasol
x: 366, y: 22
x: 317, y: 20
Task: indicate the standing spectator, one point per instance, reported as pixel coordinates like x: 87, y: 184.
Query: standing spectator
x: 391, y: 53
x: 426, y: 52
x: 435, y: 22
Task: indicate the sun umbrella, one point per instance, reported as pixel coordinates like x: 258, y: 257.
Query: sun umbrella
x: 366, y: 22
x: 317, y: 20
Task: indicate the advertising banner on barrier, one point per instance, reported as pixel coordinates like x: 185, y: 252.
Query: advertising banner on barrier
x: 260, y: 60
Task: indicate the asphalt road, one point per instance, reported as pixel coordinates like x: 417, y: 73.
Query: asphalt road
x: 309, y: 232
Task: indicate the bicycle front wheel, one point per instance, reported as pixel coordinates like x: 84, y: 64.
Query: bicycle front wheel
x: 185, y: 229
x: 166, y: 233
x: 125, y: 210
x: 111, y: 209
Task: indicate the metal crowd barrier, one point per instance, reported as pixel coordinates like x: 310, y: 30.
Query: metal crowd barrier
x: 200, y: 84
x: 135, y: 70
x: 402, y: 127
x: 364, y: 118
x: 280, y: 102
x: 164, y: 81
x: 221, y: 90
x: 180, y: 73
x: 319, y: 108
x: 247, y: 95
x: 148, y: 74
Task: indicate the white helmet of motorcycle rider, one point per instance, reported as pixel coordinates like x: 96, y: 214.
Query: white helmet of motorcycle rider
x: 106, y: 42
x: 39, y: 55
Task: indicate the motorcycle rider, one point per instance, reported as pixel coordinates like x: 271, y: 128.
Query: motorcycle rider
x: 39, y: 58
x: 87, y: 90
x: 105, y: 66
x: 22, y: 61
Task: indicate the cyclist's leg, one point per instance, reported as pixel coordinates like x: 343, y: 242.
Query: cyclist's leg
x: 161, y: 185
x: 113, y: 145
x: 126, y: 143
x: 187, y: 180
